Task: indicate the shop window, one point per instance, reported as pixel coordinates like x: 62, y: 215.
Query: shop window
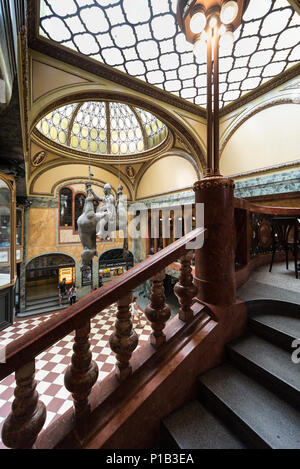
x: 87, y: 276
x: 19, y: 227
x: 112, y: 264
x: 5, y: 234
x: 66, y: 207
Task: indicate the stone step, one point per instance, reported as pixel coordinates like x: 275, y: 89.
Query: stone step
x: 268, y: 364
x: 42, y: 311
x: 195, y: 427
x: 258, y: 416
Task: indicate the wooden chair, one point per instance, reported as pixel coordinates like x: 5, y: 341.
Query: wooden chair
x: 285, y: 237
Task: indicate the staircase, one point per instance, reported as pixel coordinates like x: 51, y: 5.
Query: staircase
x: 252, y: 400
x: 43, y: 305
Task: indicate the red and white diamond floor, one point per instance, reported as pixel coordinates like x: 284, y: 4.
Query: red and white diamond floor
x: 51, y: 364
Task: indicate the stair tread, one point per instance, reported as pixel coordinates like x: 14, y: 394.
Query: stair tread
x: 34, y: 301
x: 46, y: 305
x: 195, y: 427
x: 269, y: 357
x: 287, y: 324
x: 42, y: 310
x: 275, y: 421
x: 253, y: 289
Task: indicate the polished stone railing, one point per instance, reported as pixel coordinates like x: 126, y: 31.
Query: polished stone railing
x: 28, y: 414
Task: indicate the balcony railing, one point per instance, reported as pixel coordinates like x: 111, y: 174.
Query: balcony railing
x: 28, y: 414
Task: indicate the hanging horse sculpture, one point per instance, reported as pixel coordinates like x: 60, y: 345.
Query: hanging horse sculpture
x: 112, y: 216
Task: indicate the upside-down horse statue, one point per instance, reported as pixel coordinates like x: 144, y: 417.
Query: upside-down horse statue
x: 111, y: 216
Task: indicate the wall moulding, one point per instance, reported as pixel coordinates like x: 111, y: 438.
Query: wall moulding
x: 270, y: 169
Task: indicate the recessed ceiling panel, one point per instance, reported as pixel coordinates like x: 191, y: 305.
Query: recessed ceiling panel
x: 145, y: 42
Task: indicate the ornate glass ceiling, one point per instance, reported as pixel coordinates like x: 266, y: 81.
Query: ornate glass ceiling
x: 145, y: 42
x: 103, y: 128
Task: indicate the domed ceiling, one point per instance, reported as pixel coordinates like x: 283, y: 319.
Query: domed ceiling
x: 103, y: 128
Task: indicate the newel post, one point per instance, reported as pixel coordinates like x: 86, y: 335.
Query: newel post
x: 214, y: 262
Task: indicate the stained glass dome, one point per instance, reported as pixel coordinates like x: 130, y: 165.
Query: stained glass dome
x: 103, y: 128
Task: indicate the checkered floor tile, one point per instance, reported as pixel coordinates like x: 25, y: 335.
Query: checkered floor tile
x: 51, y: 364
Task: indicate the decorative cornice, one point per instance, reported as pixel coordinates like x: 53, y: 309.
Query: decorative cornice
x: 268, y: 169
x: 213, y: 183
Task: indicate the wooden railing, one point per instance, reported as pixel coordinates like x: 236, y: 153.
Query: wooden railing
x: 28, y: 413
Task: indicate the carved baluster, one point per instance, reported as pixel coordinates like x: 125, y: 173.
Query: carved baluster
x: 157, y: 311
x: 185, y: 290
x: 124, y: 340
x: 28, y: 414
x: 81, y: 376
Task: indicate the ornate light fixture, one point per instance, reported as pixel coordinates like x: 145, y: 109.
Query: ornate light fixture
x: 209, y: 24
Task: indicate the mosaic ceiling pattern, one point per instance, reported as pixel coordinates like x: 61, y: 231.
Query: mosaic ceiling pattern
x: 103, y: 128
x: 145, y: 42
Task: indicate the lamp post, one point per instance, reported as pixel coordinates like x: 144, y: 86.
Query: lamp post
x: 208, y: 24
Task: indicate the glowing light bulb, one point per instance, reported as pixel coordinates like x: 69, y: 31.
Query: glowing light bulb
x: 213, y: 22
x: 226, y: 41
x: 198, y: 22
x: 229, y: 12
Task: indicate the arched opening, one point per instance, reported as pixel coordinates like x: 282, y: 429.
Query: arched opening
x: 66, y: 207
x: 43, y: 274
x: 112, y: 264
x: 78, y: 207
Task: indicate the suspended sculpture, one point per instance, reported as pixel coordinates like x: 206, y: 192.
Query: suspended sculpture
x: 110, y: 216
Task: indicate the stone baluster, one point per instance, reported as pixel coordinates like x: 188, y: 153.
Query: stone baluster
x: 185, y: 290
x: 81, y: 376
x: 157, y: 311
x: 124, y: 340
x: 28, y: 414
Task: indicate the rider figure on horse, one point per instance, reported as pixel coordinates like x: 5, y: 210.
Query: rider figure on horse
x: 107, y: 212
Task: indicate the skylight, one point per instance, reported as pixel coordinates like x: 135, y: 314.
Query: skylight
x: 145, y: 42
x: 103, y: 128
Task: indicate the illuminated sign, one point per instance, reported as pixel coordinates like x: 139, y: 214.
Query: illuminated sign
x: 68, y: 273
